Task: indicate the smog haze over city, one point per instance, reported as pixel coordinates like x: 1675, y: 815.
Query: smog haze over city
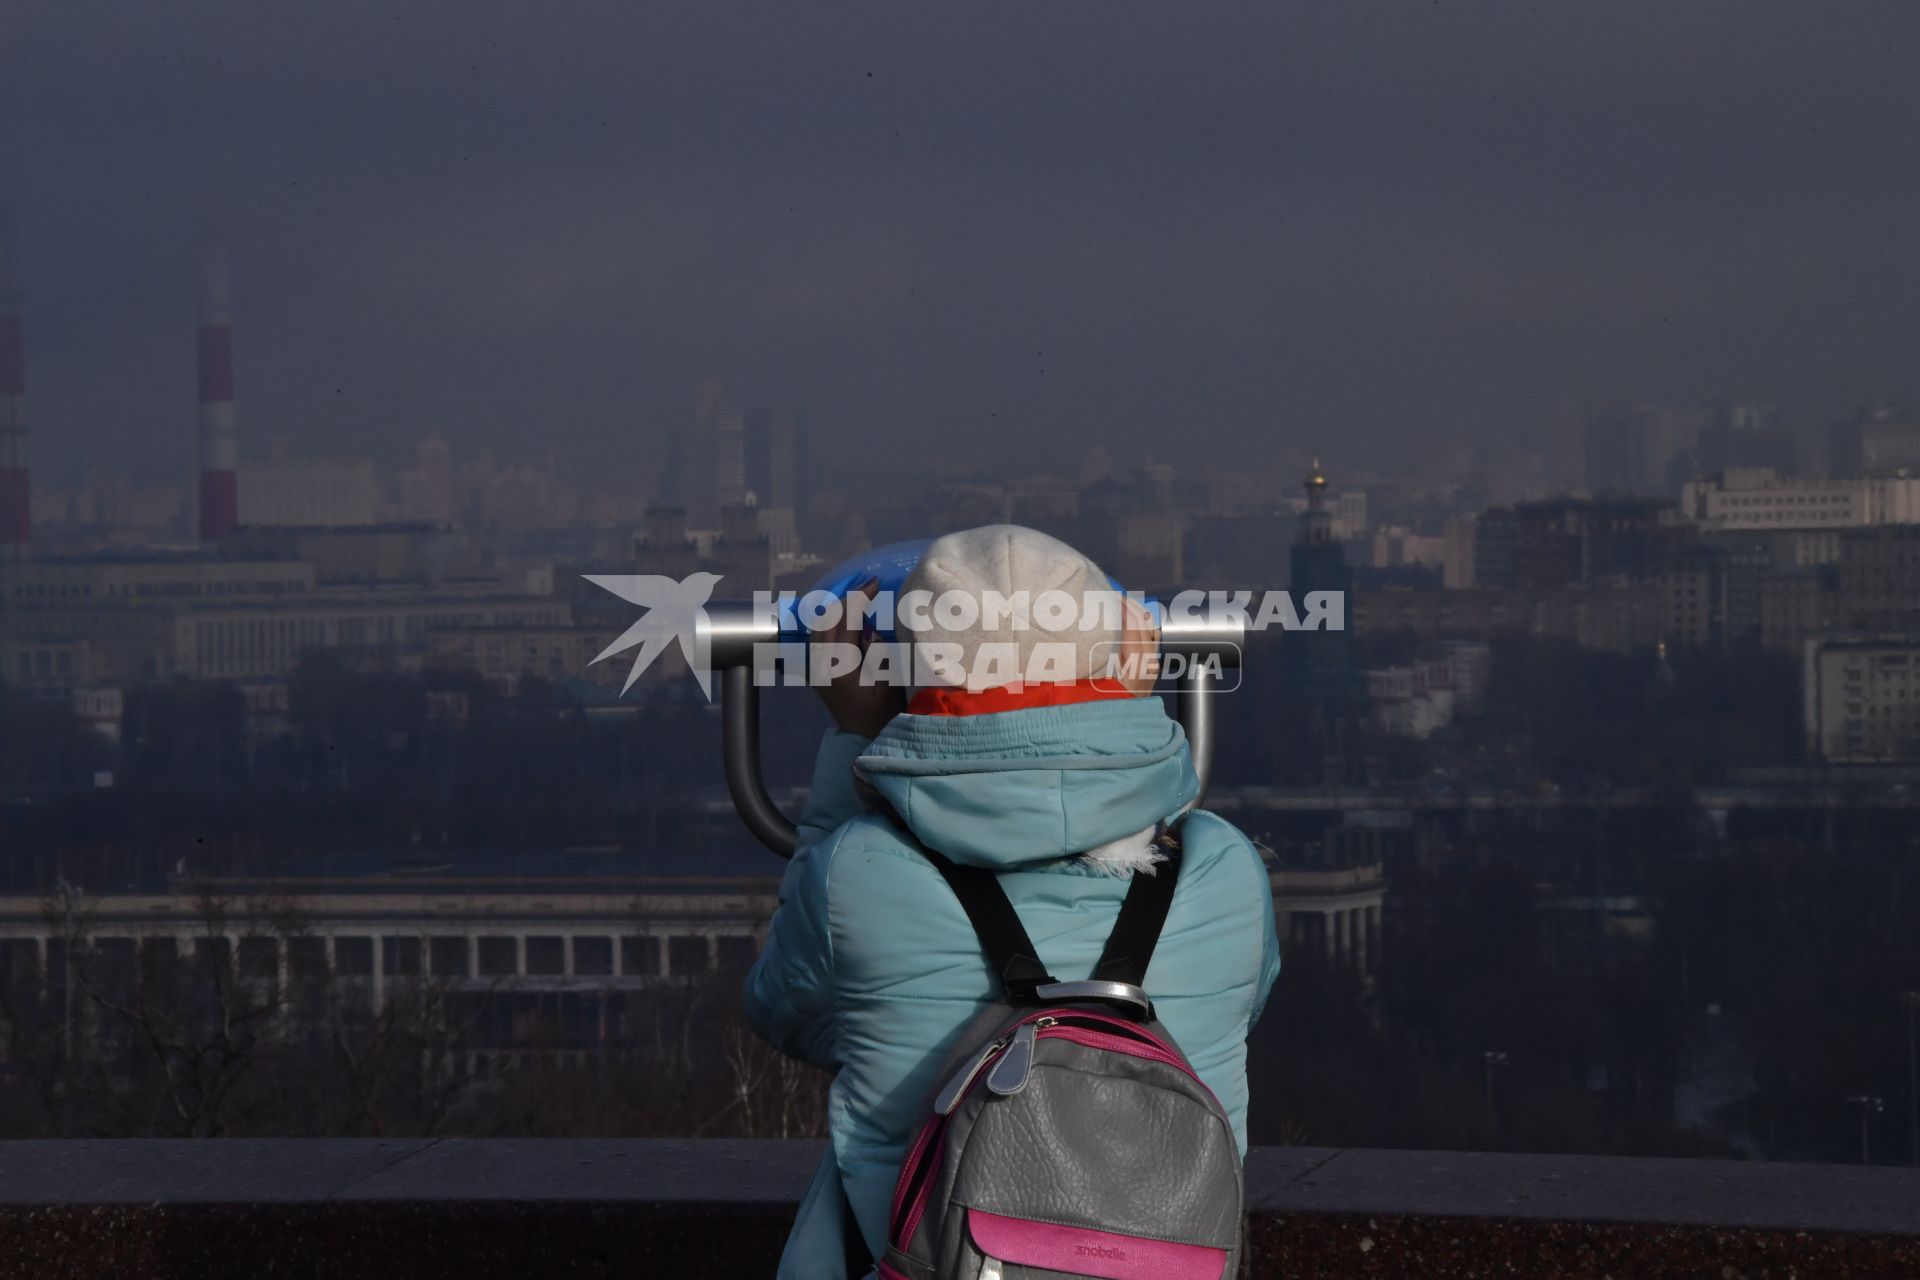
x: 402, y: 404
x: 1386, y: 231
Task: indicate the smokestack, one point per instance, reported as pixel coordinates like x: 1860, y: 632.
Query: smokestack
x: 219, y: 485
x: 16, y: 494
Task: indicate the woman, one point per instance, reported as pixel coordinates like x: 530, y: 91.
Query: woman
x: 871, y: 968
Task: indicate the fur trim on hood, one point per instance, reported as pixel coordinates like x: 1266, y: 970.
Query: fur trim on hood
x: 1127, y: 855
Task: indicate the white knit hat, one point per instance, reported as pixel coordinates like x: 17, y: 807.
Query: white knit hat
x: 995, y: 646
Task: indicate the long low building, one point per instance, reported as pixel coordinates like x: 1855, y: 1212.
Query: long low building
x: 1617, y: 618
x: 503, y: 970
x: 530, y: 954
x: 459, y: 934
x: 150, y: 577
x: 1757, y: 499
x: 251, y: 609
x: 226, y: 638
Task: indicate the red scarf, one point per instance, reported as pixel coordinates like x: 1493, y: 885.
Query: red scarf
x: 1012, y: 697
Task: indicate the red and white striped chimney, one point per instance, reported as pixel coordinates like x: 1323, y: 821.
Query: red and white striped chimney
x: 16, y: 493
x: 219, y: 483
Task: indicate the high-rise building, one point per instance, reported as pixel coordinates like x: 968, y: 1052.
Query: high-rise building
x: 1642, y: 448
x: 705, y: 467
x: 1350, y: 515
x: 774, y: 448
x: 1879, y: 577
x: 802, y: 462
x: 1457, y: 554
x: 1494, y: 533
x: 1873, y: 585
x: 757, y: 434
x: 772, y: 477
x: 729, y: 447
x: 1882, y: 442
x: 1559, y: 541
x: 1860, y: 698
x: 425, y: 492
x: 775, y: 460
x: 1745, y: 435
x: 16, y: 490
x: 663, y: 547
x: 742, y: 554
x: 1320, y: 665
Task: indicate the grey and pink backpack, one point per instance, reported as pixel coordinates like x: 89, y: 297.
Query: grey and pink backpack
x: 1069, y: 1137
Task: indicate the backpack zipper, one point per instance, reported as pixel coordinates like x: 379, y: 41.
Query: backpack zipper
x: 1009, y: 1075
x: 961, y: 1082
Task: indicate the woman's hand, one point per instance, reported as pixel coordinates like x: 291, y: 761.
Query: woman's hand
x: 861, y: 709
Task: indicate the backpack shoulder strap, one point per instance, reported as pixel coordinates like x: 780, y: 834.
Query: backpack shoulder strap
x: 1143, y: 913
x: 1010, y: 952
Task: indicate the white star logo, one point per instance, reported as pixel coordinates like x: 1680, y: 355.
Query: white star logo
x: 674, y: 611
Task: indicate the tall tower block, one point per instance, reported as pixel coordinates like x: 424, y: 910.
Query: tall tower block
x: 1320, y: 664
x: 16, y: 492
x: 219, y: 483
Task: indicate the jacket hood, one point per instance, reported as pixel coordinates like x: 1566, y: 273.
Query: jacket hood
x: 1015, y: 788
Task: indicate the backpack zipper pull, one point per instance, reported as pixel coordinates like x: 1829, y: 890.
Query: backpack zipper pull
x: 956, y: 1086
x: 1009, y: 1075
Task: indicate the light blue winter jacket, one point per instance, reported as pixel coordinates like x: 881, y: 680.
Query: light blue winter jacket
x: 872, y: 969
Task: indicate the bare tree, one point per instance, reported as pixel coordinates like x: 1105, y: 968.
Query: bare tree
x: 239, y: 1019
x: 175, y: 1048
x: 398, y: 1069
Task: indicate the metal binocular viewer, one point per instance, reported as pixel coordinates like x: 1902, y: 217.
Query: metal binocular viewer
x: 736, y: 636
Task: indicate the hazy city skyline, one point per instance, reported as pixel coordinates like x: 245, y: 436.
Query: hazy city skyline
x: 1570, y: 348
x: 1409, y: 230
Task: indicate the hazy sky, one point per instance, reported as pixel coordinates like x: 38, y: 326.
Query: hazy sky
x: 1377, y: 229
